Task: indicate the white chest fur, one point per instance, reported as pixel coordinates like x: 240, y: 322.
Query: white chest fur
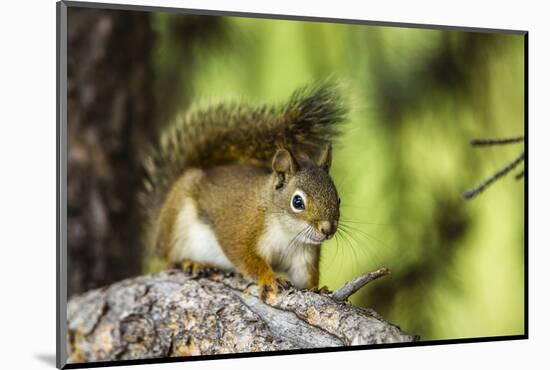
x: 196, y: 240
x: 287, y: 251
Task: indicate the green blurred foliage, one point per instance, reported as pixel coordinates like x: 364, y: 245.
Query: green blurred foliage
x: 417, y: 97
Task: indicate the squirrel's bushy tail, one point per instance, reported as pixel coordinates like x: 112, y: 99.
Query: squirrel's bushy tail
x: 241, y: 132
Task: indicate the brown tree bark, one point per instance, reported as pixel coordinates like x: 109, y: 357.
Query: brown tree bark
x: 174, y: 314
x: 109, y: 113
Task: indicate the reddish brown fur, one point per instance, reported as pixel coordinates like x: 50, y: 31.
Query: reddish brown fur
x: 238, y: 216
x: 220, y: 158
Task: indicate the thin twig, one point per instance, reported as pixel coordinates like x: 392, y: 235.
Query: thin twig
x: 346, y: 290
x: 520, y: 175
x: 491, y: 142
x: 471, y: 193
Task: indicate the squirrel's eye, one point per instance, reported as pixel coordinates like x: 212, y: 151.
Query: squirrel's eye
x: 297, y: 203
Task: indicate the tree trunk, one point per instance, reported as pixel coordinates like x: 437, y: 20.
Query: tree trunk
x: 175, y: 314
x: 109, y: 96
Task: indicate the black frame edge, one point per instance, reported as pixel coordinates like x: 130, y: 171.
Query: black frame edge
x: 290, y: 352
x: 61, y: 170
x: 526, y: 184
x: 166, y: 9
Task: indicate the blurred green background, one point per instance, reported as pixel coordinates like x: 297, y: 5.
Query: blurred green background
x: 417, y: 98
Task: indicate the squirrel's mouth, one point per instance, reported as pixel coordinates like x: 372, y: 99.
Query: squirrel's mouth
x: 317, y: 238
x: 322, y: 233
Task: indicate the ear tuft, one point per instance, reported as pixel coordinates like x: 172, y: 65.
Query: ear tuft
x: 325, y: 158
x: 284, y: 162
x: 284, y: 165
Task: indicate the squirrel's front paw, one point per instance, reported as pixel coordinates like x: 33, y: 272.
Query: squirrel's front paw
x: 271, y: 287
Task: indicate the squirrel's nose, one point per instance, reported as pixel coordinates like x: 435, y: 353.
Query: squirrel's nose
x: 327, y: 228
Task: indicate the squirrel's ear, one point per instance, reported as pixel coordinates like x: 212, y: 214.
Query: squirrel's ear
x: 325, y: 158
x: 284, y: 165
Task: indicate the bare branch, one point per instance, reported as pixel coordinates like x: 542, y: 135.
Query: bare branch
x: 492, y: 142
x: 471, y: 193
x: 346, y: 290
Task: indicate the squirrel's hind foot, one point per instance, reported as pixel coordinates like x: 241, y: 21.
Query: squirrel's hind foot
x: 196, y: 269
x: 322, y: 290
